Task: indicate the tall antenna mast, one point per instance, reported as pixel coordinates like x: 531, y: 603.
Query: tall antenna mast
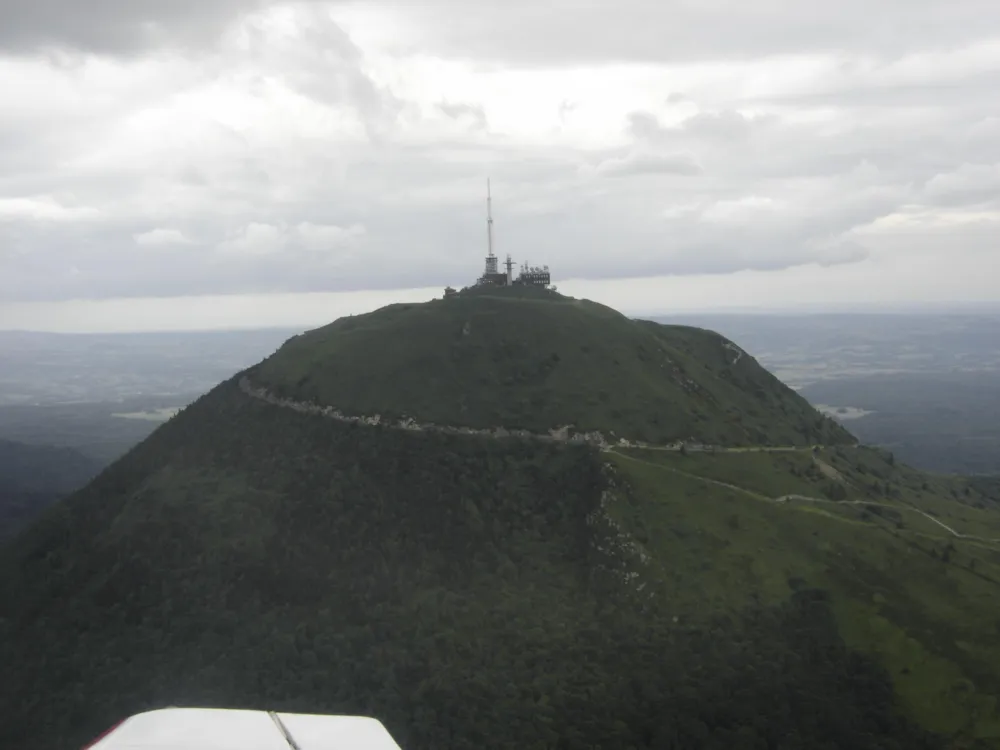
x: 490, y: 274
x: 489, y: 217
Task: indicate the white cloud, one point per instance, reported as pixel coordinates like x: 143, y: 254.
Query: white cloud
x: 281, y: 242
x: 255, y: 239
x: 639, y: 163
x: 158, y: 237
x: 743, y: 209
x: 320, y: 237
x: 44, y: 208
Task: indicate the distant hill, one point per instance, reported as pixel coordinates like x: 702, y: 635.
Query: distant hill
x: 475, y: 591
x: 540, y: 362
x: 34, y: 476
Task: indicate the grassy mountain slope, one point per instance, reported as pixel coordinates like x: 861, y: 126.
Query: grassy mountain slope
x: 905, y: 591
x: 472, y: 591
x: 540, y: 362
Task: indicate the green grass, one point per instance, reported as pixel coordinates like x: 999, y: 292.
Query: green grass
x: 486, y: 360
x: 934, y: 625
x: 770, y: 474
x: 873, y: 474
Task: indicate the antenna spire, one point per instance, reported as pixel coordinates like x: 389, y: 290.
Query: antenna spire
x: 489, y: 218
x: 491, y: 259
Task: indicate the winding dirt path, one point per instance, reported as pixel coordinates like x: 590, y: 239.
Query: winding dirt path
x: 808, y: 499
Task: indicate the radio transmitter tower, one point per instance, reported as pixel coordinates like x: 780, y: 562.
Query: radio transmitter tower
x: 493, y: 275
x: 491, y: 258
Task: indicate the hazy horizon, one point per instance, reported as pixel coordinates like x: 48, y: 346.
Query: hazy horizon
x: 245, y: 313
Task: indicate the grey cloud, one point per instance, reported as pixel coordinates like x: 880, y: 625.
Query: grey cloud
x: 322, y: 62
x: 423, y: 210
x: 543, y: 215
x: 111, y: 263
x: 768, y: 146
x: 461, y: 110
x: 28, y: 148
x: 649, y: 163
x: 566, y: 108
x: 838, y: 252
x: 864, y: 91
x: 514, y: 32
x: 727, y: 125
x: 645, y: 126
x: 114, y: 26
x: 723, y: 125
x: 191, y: 175
x: 422, y: 207
x: 969, y: 184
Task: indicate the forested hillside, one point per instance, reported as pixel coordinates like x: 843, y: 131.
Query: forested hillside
x: 766, y: 585
x: 246, y: 555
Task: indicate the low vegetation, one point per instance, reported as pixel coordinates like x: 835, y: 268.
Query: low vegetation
x: 487, y: 360
x: 904, y: 590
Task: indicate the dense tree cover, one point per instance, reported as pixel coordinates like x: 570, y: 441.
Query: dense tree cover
x: 520, y: 360
x: 19, y: 507
x: 248, y: 556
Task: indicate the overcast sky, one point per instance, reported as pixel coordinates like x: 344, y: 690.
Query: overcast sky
x: 228, y: 155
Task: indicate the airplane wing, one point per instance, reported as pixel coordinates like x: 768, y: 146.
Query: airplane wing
x: 231, y: 729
